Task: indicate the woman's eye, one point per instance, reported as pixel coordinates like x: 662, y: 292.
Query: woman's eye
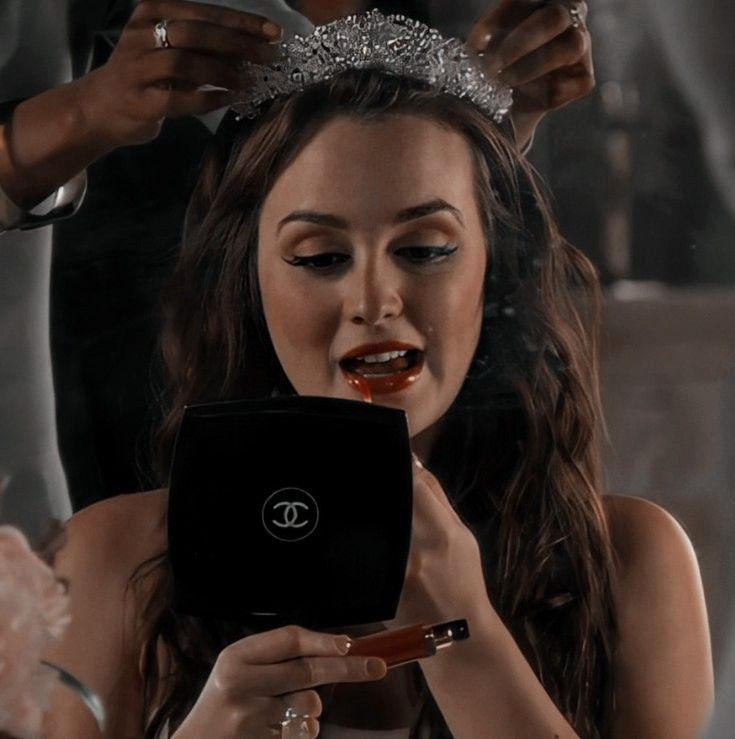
x: 319, y: 262
x: 427, y: 254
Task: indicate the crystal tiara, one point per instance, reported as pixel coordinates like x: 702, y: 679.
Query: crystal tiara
x: 393, y: 44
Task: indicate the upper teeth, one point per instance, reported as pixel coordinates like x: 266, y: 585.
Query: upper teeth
x: 386, y: 357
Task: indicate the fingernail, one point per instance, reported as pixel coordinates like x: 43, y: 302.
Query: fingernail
x: 272, y: 30
x: 418, y: 462
x: 479, y: 43
x: 374, y: 667
x: 343, y: 644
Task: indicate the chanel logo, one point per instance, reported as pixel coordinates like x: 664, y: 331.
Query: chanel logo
x: 290, y: 514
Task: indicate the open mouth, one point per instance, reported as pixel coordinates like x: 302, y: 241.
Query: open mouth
x: 386, y: 372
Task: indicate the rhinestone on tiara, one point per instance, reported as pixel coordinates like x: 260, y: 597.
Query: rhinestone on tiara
x: 394, y: 44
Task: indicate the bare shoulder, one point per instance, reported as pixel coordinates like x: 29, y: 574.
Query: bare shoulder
x: 656, y: 557
x: 106, y: 543
x: 116, y: 534
x: 663, y: 664
x: 639, y: 527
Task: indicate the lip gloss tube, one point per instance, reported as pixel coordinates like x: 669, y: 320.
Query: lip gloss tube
x: 400, y: 646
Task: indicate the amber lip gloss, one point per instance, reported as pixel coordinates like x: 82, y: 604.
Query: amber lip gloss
x: 371, y: 383
x: 399, y: 646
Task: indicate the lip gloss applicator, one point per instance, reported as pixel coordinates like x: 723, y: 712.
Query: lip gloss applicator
x: 400, y: 646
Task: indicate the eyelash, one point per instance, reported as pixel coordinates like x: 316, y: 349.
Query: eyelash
x: 435, y: 254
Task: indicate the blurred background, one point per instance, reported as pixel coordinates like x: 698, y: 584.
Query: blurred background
x: 642, y: 173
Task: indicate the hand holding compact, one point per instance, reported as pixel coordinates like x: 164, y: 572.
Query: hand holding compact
x: 444, y: 578
x: 167, y: 51
x: 255, y: 681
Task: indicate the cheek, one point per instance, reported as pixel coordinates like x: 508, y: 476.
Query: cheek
x: 474, y: 298
x: 456, y: 318
x: 469, y: 305
x: 298, y: 320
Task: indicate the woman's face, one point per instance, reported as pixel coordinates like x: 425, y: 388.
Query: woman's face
x: 371, y: 261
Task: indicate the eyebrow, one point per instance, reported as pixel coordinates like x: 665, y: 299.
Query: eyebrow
x: 403, y: 216
x: 426, y: 209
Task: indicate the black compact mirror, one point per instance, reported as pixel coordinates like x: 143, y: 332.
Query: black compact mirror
x: 290, y: 510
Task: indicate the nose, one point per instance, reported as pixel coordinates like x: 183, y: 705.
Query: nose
x: 372, y: 296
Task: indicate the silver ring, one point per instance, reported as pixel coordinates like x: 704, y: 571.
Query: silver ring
x: 576, y: 19
x: 289, y: 715
x: 160, y: 33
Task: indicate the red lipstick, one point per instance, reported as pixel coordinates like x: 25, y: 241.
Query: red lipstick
x: 397, y: 374
x: 400, y: 646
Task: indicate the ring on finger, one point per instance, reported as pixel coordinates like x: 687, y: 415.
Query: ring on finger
x: 160, y: 34
x: 574, y: 14
x: 289, y: 715
x: 287, y: 728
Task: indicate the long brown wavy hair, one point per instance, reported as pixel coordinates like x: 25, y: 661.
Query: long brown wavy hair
x: 518, y: 451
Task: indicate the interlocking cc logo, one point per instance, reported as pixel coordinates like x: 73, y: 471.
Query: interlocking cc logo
x: 290, y: 514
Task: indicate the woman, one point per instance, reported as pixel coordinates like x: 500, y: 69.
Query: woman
x: 372, y: 208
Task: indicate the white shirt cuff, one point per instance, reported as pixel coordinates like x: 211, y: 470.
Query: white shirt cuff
x: 60, y: 204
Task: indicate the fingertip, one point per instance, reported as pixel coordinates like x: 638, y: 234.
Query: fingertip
x: 376, y: 667
x: 479, y: 39
x: 272, y: 30
x: 485, y: 39
x: 308, y: 726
